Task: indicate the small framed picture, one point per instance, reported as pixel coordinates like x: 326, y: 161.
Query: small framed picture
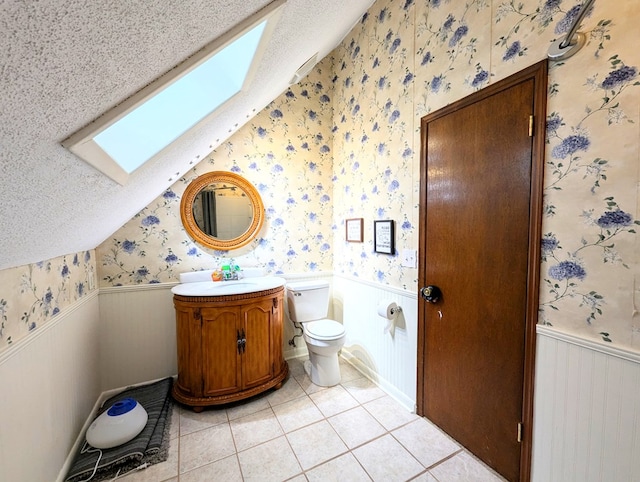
x: 384, y: 237
x: 354, y: 230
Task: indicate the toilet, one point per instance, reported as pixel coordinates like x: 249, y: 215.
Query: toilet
x: 308, y: 303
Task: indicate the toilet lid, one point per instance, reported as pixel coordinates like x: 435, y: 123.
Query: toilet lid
x: 324, y: 329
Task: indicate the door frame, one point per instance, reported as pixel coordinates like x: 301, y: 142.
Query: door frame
x: 538, y: 73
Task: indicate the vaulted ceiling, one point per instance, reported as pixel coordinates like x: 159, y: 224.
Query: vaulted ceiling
x: 63, y: 63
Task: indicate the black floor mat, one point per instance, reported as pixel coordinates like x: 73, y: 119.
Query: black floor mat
x: 150, y: 446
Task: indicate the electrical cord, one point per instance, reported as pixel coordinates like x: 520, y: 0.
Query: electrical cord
x: 86, y: 448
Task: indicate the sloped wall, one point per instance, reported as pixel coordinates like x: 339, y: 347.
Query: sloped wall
x: 286, y: 152
x: 345, y: 143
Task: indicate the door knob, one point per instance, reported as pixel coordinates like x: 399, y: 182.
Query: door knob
x: 431, y: 293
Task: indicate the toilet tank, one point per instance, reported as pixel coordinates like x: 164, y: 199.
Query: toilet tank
x: 308, y: 300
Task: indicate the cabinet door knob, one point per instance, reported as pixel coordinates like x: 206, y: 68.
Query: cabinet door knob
x: 239, y: 341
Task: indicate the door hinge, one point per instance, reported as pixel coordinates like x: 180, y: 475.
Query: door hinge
x: 530, y: 126
x: 520, y: 432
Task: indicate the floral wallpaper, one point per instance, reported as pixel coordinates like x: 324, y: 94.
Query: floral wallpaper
x: 345, y: 143
x: 34, y: 294
x: 407, y: 59
x: 285, y: 152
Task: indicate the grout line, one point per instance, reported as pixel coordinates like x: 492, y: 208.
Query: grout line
x: 349, y: 450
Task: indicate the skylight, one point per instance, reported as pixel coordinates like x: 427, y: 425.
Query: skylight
x: 134, y: 132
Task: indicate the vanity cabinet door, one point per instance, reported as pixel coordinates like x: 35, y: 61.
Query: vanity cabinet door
x: 221, y: 360
x: 189, y: 347
x: 257, y: 363
x: 229, y: 347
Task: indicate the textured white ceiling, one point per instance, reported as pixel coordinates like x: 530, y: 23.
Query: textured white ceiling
x: 63, y: 63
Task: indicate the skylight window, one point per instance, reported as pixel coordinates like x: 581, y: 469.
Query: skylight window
x: 134, y: 132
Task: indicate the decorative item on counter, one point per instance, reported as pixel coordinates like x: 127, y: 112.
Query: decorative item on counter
x: 216, y: 275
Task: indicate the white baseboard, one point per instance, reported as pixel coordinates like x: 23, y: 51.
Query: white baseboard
x: 387, y: 387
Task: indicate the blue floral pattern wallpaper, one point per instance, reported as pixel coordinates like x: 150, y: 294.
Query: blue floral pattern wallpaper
x: 32, y: 295
x: 345, y: 143
x: 286, y: 153
x: 407, y: 59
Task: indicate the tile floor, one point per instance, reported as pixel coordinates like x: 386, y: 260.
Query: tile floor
x: 301, y: 432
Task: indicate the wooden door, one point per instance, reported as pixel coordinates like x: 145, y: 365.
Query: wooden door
x: 257, y: 364
x: 221, y: 359
x: 479, y: 243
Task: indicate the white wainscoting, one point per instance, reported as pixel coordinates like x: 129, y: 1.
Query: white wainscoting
x: 388, y: 359
x: 587, y: 411
x: 137, y: 334
x: 138, y: 341
x: 49, y: 387
x: 587, y: 395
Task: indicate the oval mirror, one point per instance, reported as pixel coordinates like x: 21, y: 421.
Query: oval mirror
x: 222, y: 210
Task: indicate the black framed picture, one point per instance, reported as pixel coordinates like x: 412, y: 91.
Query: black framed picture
x: 384, y: 237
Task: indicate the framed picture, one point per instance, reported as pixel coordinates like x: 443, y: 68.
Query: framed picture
x: 354, y: 230
x: 384, y: 237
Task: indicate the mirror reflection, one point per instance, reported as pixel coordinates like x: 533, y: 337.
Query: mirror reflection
x: 222, y: 210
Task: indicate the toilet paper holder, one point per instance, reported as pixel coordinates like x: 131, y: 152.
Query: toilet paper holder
x: 388, y: 310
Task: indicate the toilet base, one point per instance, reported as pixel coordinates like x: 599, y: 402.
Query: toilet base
x: 323, y: 370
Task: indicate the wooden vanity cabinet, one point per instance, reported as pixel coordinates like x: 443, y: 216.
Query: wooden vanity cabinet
x: 229, y: 347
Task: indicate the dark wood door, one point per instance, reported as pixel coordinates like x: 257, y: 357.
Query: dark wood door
x: 479, y: 241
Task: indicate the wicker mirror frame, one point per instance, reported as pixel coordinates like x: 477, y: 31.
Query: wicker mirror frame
x: 190, y: 225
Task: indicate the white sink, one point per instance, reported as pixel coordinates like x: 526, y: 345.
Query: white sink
x: 224, y: 288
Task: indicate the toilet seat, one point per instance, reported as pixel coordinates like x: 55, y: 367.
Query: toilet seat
x: 325, y: 330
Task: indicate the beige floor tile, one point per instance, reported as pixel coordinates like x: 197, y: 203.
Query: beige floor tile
x: 333, y: 400
x: 464, y: 468
x: 191, y: 421
x: 270, y: 461
x: 290, y: 390
x: 316, y: 444
x: 348, y: 372
x: 297, y: 413
x: 226, y: 469
x: 426, y: 477
x: 363, y: 389
x: 356, y: 426
x: 389, y: 413
x: 321, y: 425
x: 205, y: 446
x: 308, y: 386
x: 296, y: 367
x: 298, y: 478
x: 255, y: 429
x: 343, y: 468
x: 425, y: 441
x: 247, y: 407
x: 174, y: 430
x: 385, y: 459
